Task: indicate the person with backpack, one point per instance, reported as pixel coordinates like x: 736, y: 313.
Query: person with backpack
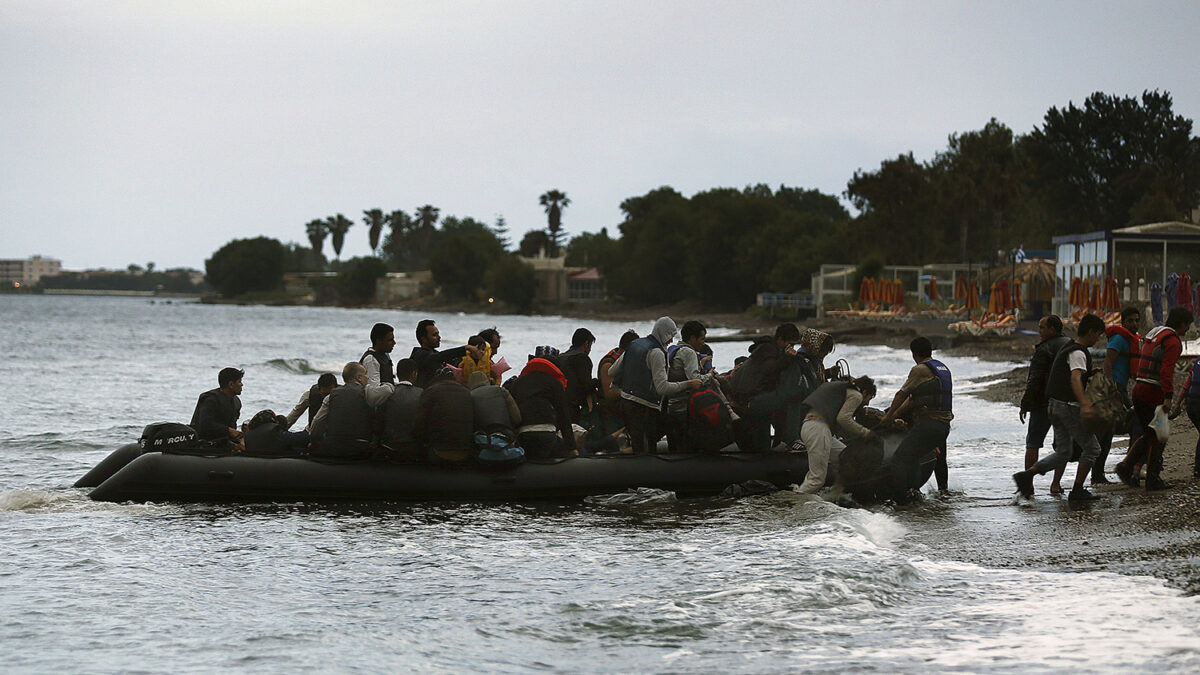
x: 1154, y: 389
x: 762, y: 394
x: 684, y: 364
x: 830, y: 412
x: 1034, y: 401
x: 1068, y: 407
x: 641, y: 373
x: 927, y: 398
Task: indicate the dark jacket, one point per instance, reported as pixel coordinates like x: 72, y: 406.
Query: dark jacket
x: 1058, y: 384
x: 1035, y: 397
x: 349, y: 423
x: 492, y: 408
x: 429, y: 360
x: 446, y: 417
x: 215, y: 415
x: 399, y: 414
x: 760, y: 373
x: 541, y: 399
x: 577, y: 366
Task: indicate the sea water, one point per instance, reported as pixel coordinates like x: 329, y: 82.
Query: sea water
x: 642, y: 582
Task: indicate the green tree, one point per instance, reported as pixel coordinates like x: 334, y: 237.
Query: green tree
x: 511, y: 281
x: 500, y: 229
x: 977, y: 180
x: 357, y: 279
x: 1094, y: 164
x: 461, y: 256
x: 297, y: 258
x: 245, y: 265
x: 897, y: 218
x: 533, y: 243
x: 317, y: 231
x: 396, y: 242
x: 554, y: 201
x: 338, y: 226
x: 593, y: 250
x: 374, y: 220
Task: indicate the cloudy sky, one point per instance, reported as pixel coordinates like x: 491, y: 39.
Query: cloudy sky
x: 159, y: 130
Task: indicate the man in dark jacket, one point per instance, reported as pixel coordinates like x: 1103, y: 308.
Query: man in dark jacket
x: 540, y: 394
x: 761, y: 393
x: 1068, y: 407
x: 577, y: 367
x: 399, y: 414
x: 430, y: 358
x: 344, y: 425
x: 1034, y: 400
x: 217, y: 410
x: 446, y: 420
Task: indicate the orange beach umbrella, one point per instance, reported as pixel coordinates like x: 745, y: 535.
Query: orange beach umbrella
x: 972, y: 296
x: 932, y: 290
x: 1016, y: 295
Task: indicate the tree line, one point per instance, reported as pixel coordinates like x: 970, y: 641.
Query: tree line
x: 1112, y: 162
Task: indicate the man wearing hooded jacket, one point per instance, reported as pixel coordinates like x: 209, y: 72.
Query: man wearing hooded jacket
x: 641, y: 373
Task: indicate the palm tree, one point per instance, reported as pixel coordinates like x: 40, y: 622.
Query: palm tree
x: 374, y: 220
x: 396, y: 245
x: 554, y: 201
x: 338, y: 226
x: 317, y: 230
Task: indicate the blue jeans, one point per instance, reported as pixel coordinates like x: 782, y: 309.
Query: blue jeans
x: 1068, y: 430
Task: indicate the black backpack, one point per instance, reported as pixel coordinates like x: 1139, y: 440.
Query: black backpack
x: 708, y: 423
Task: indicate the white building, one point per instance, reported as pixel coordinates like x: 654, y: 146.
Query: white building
x: 27, y: 272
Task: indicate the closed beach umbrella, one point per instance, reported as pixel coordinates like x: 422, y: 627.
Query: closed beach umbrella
x: 1185, y: 289
x: 1016, y: 295
x: 1156, y: 303
x: 972, y: 296
x: 994, y: 299
x: 933, y: 291
x: 960, y: 287
x: 1094, y: 296
x: 899, y: 289
x: 1113, y: 302
x: 1073, y: 298
x: 864, y: 290
x: 1171, y: 292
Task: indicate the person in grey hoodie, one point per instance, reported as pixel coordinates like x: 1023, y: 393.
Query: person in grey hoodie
x: 641, y: 373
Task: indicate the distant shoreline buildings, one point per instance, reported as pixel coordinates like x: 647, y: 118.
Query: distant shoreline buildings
x: 17, y: 273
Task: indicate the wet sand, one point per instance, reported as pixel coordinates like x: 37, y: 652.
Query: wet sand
x: 1128, y: 530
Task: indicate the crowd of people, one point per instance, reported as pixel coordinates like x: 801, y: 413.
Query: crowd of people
x: 456, y: 406
x: 1085, y: 405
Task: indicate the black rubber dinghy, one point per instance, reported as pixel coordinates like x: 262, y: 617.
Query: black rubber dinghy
x: 130, y: 474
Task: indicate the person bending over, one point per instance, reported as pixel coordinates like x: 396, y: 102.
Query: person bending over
x: 830, y: 411
x: 545, y: 422
x: 1067, y: 407
x: 927, y: 398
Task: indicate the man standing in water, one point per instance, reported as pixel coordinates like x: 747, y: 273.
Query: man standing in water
x: 217, y: 410
x: 1033, y: 401
x: 928, y: 393
x: 1068, y: 406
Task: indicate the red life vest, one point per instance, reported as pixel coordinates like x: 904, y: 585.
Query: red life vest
x: 1135, y: 344
x: 1152, y: 368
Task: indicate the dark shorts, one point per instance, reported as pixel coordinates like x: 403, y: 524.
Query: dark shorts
x: 1039, y: 426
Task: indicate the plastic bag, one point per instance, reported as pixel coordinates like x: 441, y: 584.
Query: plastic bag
x: 1161, y: 425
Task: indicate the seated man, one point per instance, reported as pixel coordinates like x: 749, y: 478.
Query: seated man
x: 311, y: 400
x: 540, y: 394
x: 217, y: 410
x: 343, y: 427
x: 399, y: 414
x: 376, y: 359
x: 496, y: 416
x: 576, y: 365
x: 445, y: 420
x: 428, y: 357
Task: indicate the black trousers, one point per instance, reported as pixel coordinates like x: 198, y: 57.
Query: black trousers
x: 644, y: 425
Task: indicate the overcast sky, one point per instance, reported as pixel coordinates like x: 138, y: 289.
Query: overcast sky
x: 159, y: 130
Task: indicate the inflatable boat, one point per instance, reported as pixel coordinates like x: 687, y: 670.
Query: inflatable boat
x: 130, y: 474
